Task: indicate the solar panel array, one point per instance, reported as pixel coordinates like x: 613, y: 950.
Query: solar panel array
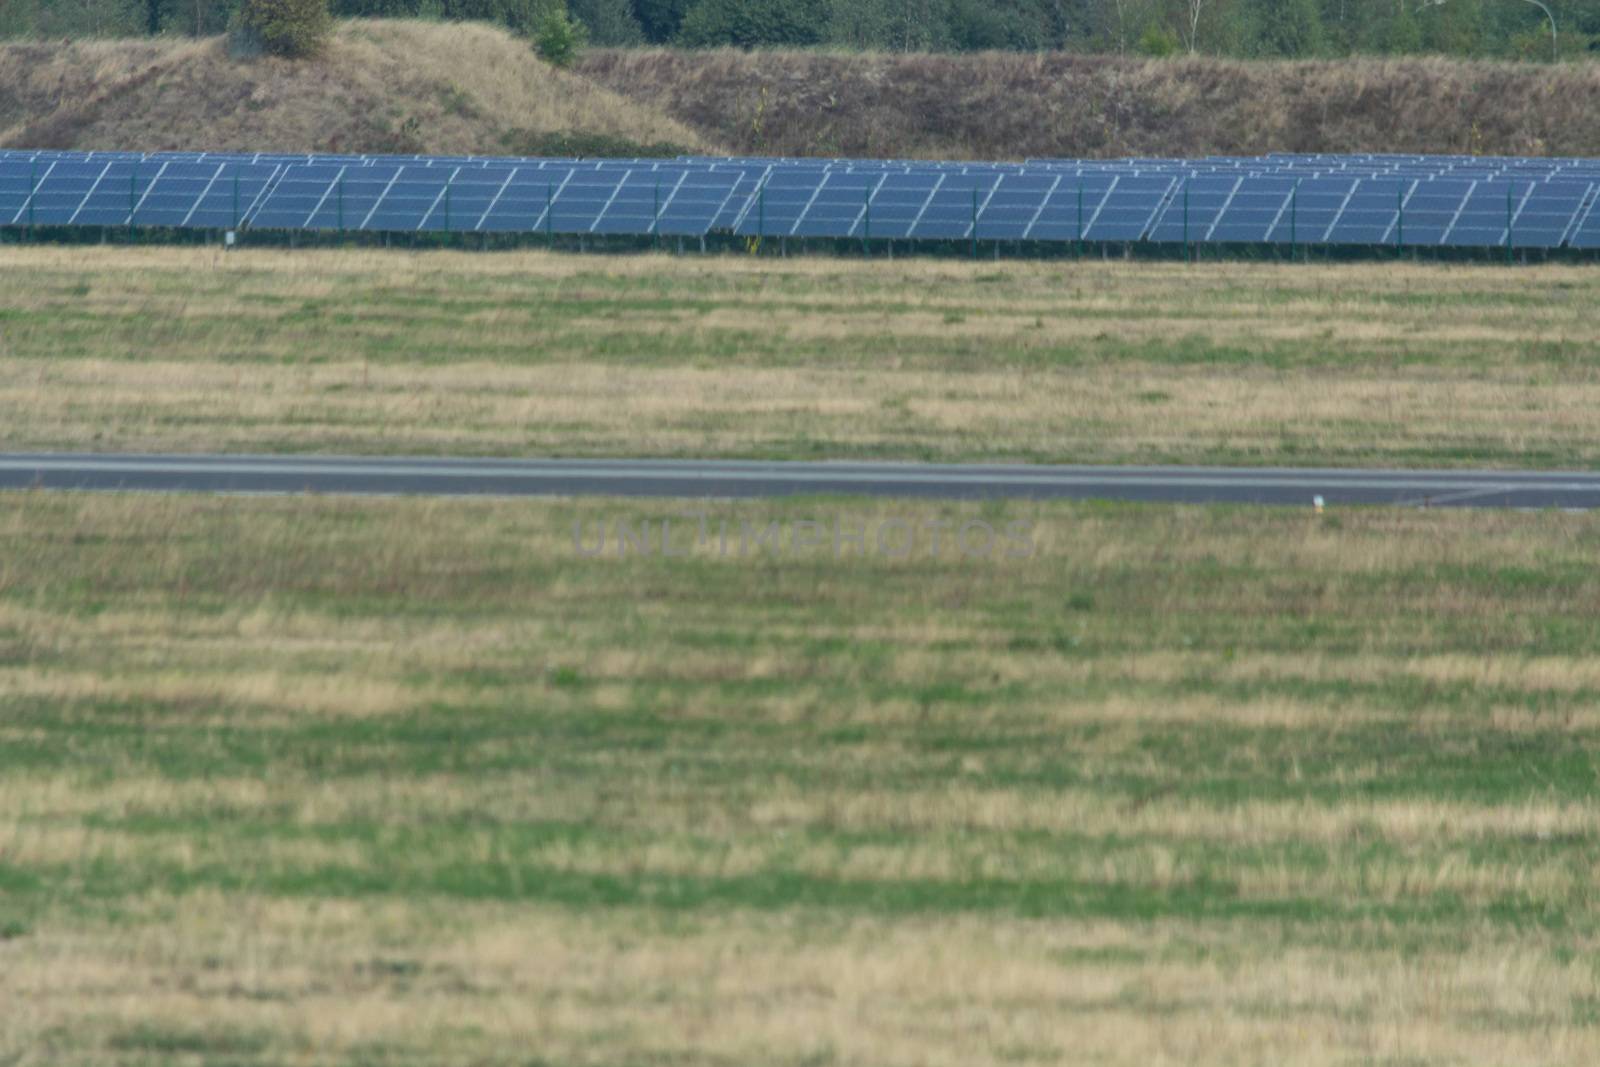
x: 1411, y: 201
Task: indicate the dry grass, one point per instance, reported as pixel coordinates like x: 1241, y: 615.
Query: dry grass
x: 1011, y: 106
x: 322, y: 781
x: 429, y: 87
x: 527, y: 353
x: 382, y: 86
x: 315, y: 984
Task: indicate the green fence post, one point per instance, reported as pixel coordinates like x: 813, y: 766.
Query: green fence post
x: 1294, y: 222
x: 1400, y: 222
x: 1186, y: 222
x: 1510, y: 222
x: 1080, y: 221
x: 974, y: 222
x: 866, y: 224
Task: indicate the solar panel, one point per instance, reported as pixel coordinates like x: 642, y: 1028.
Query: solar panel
x: 1370, y: 199
x: 1195, y: 208
x: 18, y: 179
x: 1255, y: 209
x: 1371, y: 213
x: 1311, y: 207
x: 779, y: 201
x: 1585, y: 232
x: 955, y: 207
x: 1130, y: 207
x: 1548, y: 214
x: 1072, y: 206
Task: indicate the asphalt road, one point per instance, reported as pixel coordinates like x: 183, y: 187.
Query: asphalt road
x: 726, y: 478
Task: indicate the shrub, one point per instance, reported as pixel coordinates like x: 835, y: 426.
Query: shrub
x: 559, y: 39
x: 291, y: 28
x: 1158, y: 41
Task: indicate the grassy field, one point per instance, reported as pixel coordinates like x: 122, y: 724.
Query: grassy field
x: 317, y: 781
x: 533, y: 354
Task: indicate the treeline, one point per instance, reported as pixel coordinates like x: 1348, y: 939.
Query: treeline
x: 1243, y: 28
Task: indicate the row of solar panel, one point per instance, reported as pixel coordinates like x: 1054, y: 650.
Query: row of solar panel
x: 384, y: 197
x: 688, y: 200
x: 1450, y: 212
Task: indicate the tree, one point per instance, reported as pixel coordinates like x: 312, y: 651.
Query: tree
x: 1454, y: 28
x: 915, y: 25
x: 293, y: 28
x: 559, y: 39
x: 522, y: 16
x: 660, y: 19
x: 1158, y: 42
x: 1405, y: 33
x: 1289, y: 28
x: 977, y: 26
x: 1192, y: 10
x: 754, y: 23
x: 610, y: 22
x: 1122, y: 23
x: 864, y: 24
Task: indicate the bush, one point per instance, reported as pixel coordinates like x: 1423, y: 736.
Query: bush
x: 1158, y: 41
x: 292, y: 28
x: 559, y: 39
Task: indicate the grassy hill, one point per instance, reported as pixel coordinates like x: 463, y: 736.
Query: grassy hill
x: 394, y: 86
x: 382, y: 86
x: 1002, y: 105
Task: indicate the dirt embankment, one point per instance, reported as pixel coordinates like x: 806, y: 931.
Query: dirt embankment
x: 406, y: 86
x: 381, y: 86
x: 1009, y: 106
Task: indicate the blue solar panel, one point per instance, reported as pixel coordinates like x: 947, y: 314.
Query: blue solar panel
x: 1130, y: 207
x: 1195, y: 208
x: 1585, y: 231
x: 1256, y: 208
x: 1313, y: 204
x: 1549, y: 214
x: 1371, y: 213
x: 1070, y: 207
x: 953, y: 206
x: 1456, y: 201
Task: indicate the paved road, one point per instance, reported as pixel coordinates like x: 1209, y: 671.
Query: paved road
x: 691, y: 478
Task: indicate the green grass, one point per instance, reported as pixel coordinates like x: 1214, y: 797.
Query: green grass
x: 319, y: 780
x: 387, y: 351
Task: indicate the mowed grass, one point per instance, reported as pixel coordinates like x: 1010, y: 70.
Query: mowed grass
x: 387, y: 351
x: 321, y: 781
